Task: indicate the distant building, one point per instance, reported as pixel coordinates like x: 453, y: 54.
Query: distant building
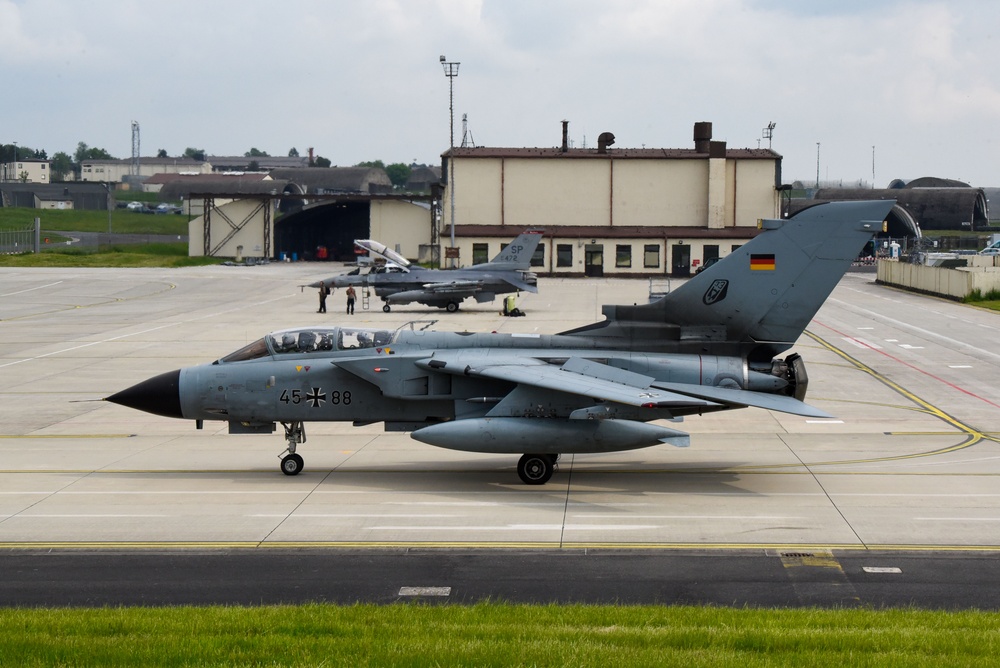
x: 629, y: 211
x: 927, y: 203
x: 118, y: 171
x: 25, y: 171
x: 265, y: 163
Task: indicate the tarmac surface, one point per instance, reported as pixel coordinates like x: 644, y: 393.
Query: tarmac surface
x: 904, y: 479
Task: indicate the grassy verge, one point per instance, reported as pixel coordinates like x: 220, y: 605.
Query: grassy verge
x: 990, y: 300
x: 139, y: 255
x: 122, y: 221
x: 496, y: 634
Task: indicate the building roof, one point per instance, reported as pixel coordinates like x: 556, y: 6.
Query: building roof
x: 262, y: 161
x: 218, y: 184
x: 336, y: 179
x: 653, y: 232
x: 194, y: 164
x: 615, y: 153
x: 936, y: 208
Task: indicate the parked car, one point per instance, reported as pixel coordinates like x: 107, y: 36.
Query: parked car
x: 167, y: 208
x: 708, y: 263
x: 135, y: 206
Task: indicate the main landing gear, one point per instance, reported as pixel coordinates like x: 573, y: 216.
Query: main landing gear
x: 295, y: 433
x: 536, y: 469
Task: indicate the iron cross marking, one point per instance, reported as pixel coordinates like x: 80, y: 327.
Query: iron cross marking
x: 316, y: 397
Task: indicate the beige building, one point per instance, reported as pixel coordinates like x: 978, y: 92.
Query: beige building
x: 117, y: 171
x: 25, y: 171
x: 611, y: 211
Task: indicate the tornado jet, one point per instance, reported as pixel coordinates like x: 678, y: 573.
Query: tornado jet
x: 717, y: 343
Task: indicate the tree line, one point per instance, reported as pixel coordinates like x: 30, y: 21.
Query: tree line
x: 63, y: 163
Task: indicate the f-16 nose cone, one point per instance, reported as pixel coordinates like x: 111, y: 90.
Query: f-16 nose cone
x: 159, y: 395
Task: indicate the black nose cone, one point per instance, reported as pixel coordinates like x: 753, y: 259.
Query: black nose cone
x: 159, y: 395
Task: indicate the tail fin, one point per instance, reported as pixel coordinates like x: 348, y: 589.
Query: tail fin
x: 516, y: 256
x: 758, y: 299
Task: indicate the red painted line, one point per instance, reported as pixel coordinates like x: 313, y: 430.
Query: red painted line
x: 907, y: 364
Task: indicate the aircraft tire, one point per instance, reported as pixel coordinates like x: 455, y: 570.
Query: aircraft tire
x: 385, y: 308
x: 291, y: 464
x: 452, y: 307
x: 535, y: 469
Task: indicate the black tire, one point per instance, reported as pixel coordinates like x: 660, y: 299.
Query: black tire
x: 535, y: 469
x: 386, y: 309
x: 452, y: 307
x: 291, y: 464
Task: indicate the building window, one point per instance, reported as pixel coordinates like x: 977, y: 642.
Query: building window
x: 480, y: 253
x: 623, y: 256
x: 538, y: 259
x: 709, y: 252
x: 564, y: 255
x: 651, y: 256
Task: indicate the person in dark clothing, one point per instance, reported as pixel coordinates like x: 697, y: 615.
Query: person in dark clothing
x: 323, y: 292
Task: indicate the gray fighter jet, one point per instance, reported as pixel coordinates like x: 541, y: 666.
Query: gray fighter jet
x: 399, y: 282
x: 711, y: 345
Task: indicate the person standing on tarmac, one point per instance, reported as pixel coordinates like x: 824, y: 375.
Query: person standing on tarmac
x: 350, y: 299
x: 323, y: 292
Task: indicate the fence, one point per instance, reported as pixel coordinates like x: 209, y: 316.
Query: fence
x: 21, y: 241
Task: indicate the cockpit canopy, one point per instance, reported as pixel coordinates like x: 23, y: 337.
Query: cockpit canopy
x: 311, y: 340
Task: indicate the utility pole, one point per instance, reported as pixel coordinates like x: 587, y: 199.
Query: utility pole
x: 451, y: 71
x: 817, y: 165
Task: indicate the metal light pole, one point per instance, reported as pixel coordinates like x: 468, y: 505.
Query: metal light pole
x: 817, y: 165
x: 451, y: 71
x: 111, y: 205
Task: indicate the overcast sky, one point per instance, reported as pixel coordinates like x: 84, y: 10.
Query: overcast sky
x: 916, y: 80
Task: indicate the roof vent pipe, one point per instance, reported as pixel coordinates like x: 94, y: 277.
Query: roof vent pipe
x: 702, y: 136
x: 565, y: 144
x: 604, y: 140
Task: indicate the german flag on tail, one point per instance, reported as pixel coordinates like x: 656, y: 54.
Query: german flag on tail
x: 762, y: 262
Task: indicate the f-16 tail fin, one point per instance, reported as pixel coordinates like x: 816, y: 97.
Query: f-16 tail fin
x: 515, y: 256
x: 758, y: 299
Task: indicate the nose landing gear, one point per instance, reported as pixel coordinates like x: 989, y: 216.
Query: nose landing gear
x: 295, y: 433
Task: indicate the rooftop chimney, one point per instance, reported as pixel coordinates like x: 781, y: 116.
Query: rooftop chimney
x: 604, y: 140
x: 565, y: 144
x: 702, y: 136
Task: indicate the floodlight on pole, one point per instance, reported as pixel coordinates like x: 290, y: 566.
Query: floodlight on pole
x: 451, y: 71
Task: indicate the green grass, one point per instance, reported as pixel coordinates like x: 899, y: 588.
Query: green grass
x: 132, y: 255
x: 122, y: 221
x: 493, y: 634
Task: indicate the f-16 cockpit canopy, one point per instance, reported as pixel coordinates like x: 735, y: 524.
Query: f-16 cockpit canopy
x: 380, y: 249
x: 309, y: 340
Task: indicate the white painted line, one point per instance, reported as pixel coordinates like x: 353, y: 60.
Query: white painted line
x: 882, y: 569
x: 425, y: 591
x: 40, y: 287
x: 957, y: 519
x: 959, y: 366
x: 907, y: 346
x: 522, y: 527
x: 866, y: 328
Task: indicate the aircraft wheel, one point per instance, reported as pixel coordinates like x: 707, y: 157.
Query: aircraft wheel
x: 452, y: 307
x: 291, y: 464
x: 386, y: 309
x: 535, y: 469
